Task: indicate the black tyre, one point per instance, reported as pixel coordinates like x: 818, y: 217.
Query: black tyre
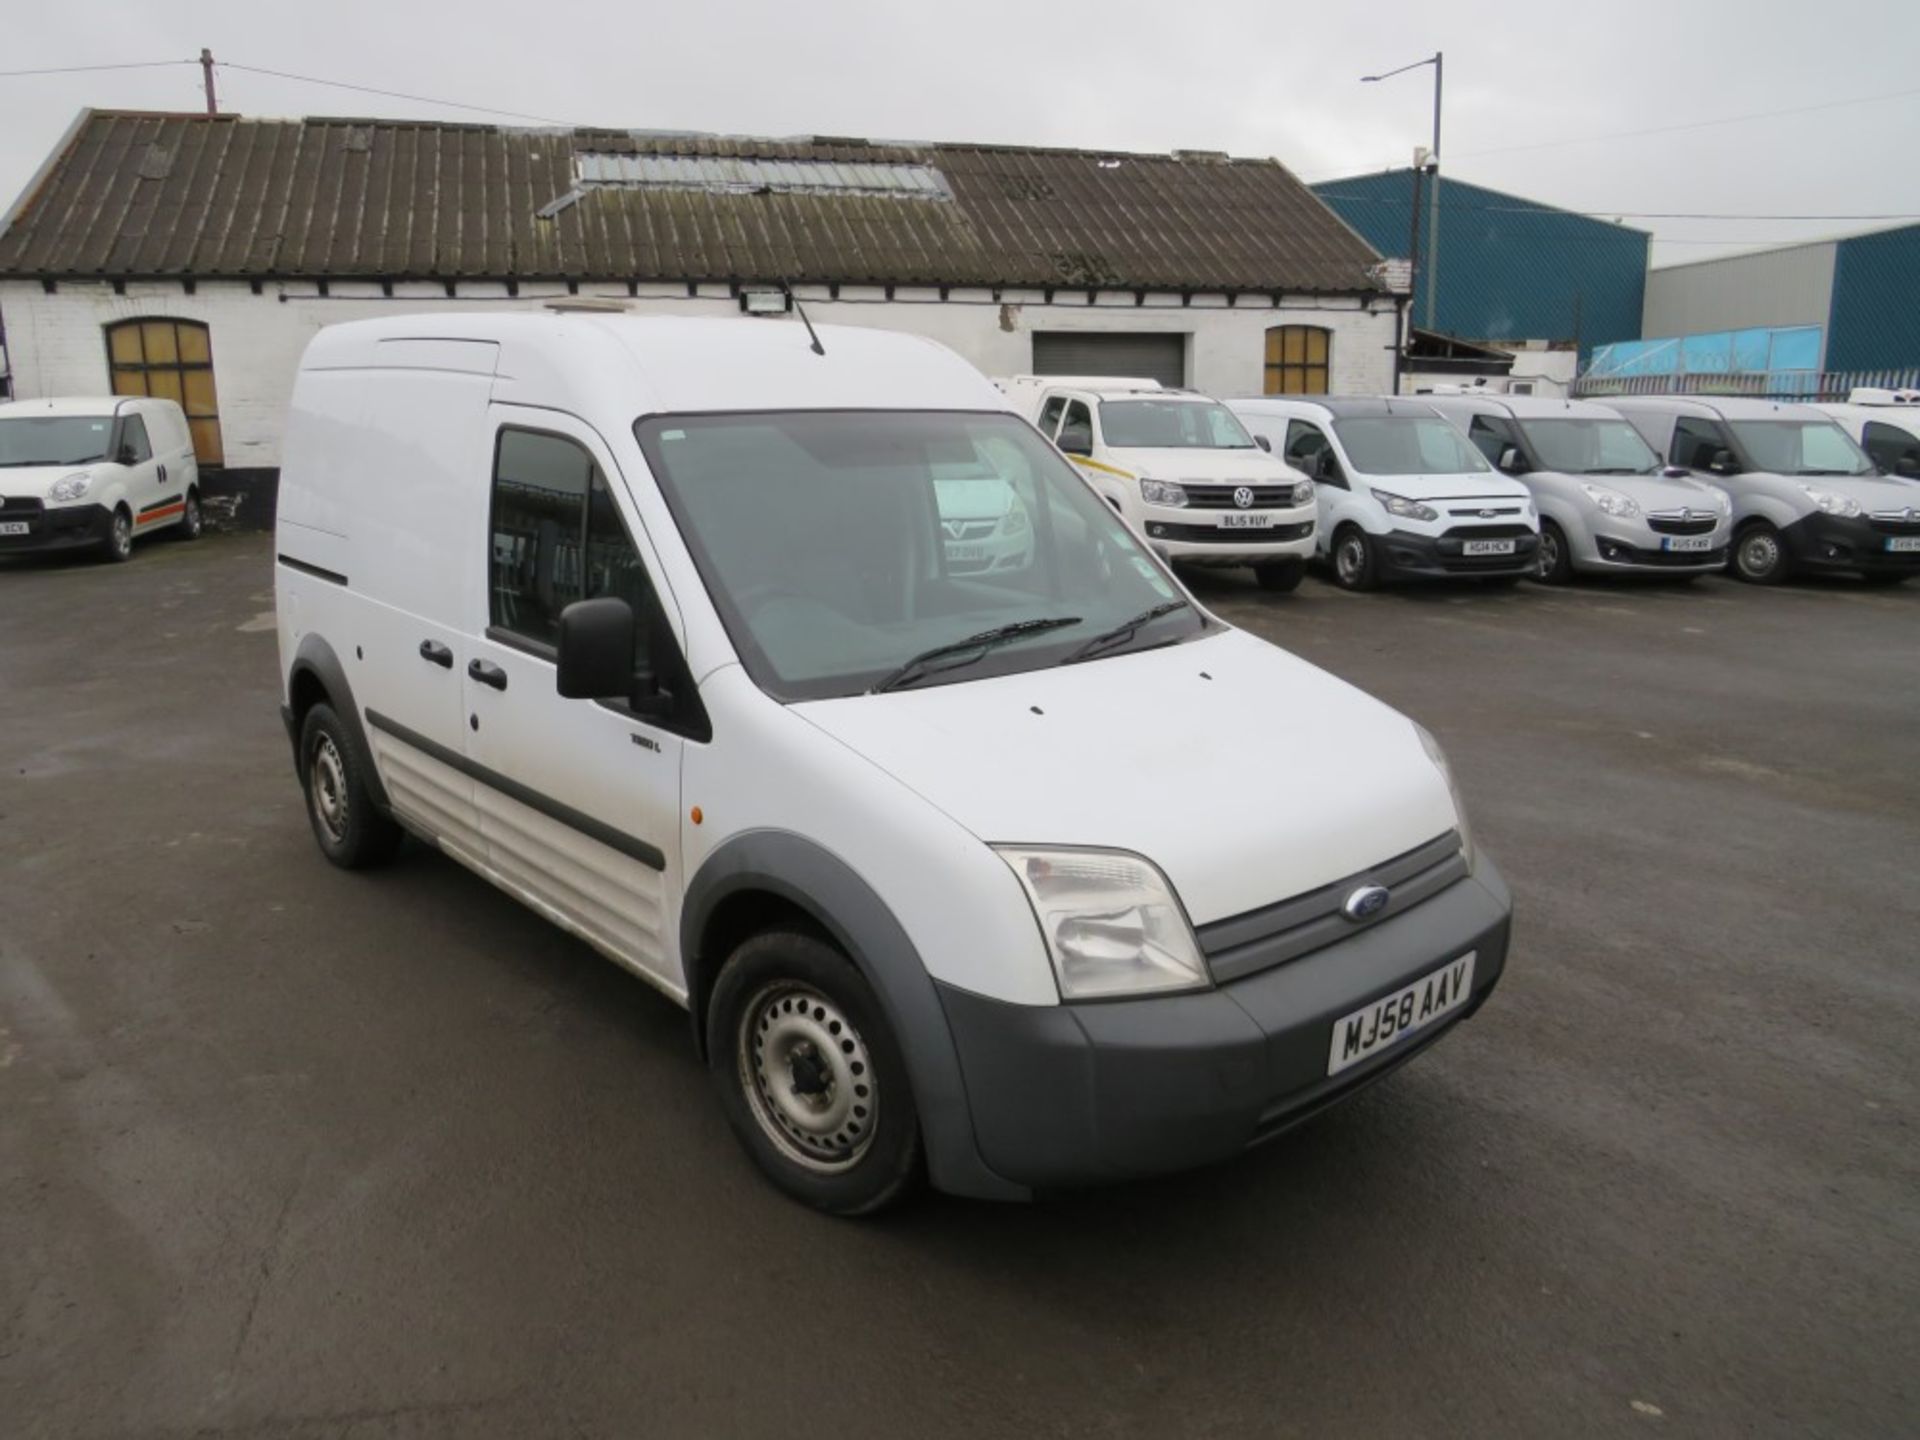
x: 1279, y: 576
x: 192, y: 523
x: 1880, y: 579
x: 1758, y: 555
x: 810, y: 1074
x: 1554, y: 563
x: 1354, y: 566
x: 119, y: 542
x: 352, y: 832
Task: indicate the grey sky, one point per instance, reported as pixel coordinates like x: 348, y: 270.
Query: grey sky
x: 1255, y: 77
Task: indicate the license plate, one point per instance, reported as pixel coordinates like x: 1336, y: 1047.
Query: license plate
x: 1245, y: 522
x: 1372, y: 1028
x: 1903, y: 542
x: 966, y: 552
x: 1686, y: 542
x: 1486, y: 547
x: 13, y: 527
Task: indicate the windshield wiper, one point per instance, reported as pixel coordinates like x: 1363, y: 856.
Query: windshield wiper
x: 981, y: 643
x: 1614, y: 470
x: 1124, y: 630
x: 1829, y: 472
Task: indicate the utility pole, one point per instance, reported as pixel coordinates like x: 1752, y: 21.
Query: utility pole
x: 1433, y: 168
x: 206, y: 75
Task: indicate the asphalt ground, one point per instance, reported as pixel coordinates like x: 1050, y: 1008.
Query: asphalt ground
x: 291, y: 1152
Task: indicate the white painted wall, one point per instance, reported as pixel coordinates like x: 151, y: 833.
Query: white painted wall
x: 58, y: 348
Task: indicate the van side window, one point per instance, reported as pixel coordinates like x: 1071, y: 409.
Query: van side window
x: 1050, y: 415
x: 1076, y: 432
x: 133, y: 436
x: 1304, y: 442
x: 1889, y: 445
x: 1489, y: 438
x: 557, y: 537
x: 1695, y: 443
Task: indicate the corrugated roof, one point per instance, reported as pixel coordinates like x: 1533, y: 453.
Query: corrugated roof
x: 1510, y: 268
x: 142, y: 195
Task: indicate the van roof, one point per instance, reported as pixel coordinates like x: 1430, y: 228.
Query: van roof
x: 77, y: 405
x: 1727, y: 407
x: 639, y: 365
x: 1529, y: 407
x: 1338, y: 407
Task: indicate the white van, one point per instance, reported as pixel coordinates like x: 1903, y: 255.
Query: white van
x: 1180, y: 468
x: 650, y: 622
x: 1885, y: 424
x: 94, y: 473
x: 1401, y: 494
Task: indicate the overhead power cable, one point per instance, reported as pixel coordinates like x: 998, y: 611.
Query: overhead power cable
x: 83, y: 69
x: 390, y: 94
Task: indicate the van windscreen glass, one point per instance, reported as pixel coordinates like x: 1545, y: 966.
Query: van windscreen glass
x: 1589, y: 445
x: 1171, y: 425
x: 54, y: 439
x: 1800, y: 447
x: 1408, y: 445
x: 838, y: 545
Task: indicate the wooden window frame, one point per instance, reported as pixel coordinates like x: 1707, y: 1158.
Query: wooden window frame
x: 1287, y: 371
x: 203, y: 420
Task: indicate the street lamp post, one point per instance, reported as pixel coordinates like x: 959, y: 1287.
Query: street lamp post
x: 1433, y: 173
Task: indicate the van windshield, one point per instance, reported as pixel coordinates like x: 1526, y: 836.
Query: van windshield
x: 1171, y: 425
x: 1800, y: 447
x: 1589, y: 445
x: 54, y: 439
x: 1408, y: 445
x: 838, y: 546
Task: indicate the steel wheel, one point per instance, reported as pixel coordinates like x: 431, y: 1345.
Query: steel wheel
x: 327, y: 788
x: 190, y: 518
x: 807, y: 1076
x: 1350, y: 560
x: 120, y: 537
x: 1757, y: 555
x: 1548, y: 560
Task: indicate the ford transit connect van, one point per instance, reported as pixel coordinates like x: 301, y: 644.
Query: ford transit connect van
x: 1805, y: 496
x: 987, y: 874
x: 95, y: 473
x: 1607, y: 503
x: 1401, y: 494
x: 1181, y: 469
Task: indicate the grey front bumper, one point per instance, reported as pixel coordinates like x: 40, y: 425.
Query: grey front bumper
x: 1070, y: 1094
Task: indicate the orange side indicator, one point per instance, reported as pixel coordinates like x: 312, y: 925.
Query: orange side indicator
x: 695, y: 815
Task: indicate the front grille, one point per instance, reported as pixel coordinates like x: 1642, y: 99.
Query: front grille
x: 1488, y: 532
x: 967, y: 529
x: 1215, y: 535
x: 21, y: 507
x: 1485, y: 512
x: 1669, y: 522
x: 1220, y: 497
x: 1247, y: 944
x: 1895, y: 522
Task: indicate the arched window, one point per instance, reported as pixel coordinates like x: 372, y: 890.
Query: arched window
x: 1297, y: 360
x: 173, y: 360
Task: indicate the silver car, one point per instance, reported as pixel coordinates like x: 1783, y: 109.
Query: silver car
x: 1606, y: 502
x: 1805, y: 496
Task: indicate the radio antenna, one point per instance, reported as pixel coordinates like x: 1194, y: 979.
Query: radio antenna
x: 801, y: 311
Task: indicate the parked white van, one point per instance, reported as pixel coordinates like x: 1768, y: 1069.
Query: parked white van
x: 1400, y: 492
x: 95, y: 472
x: 1886, y: 425
x: 1181, y: 469
x: 650, y: 622
x: 1805, y: 496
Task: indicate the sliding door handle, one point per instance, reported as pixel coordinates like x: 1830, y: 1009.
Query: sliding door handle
x: 436, y: 652
x: 487, y: 673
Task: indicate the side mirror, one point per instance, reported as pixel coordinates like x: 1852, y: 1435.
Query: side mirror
x: 125, y: 456
x: 596, y: 650
x: 1510, y: 462
x: 1076, y: 441
x: 1723, y: 463
x: 1675, y: 472
x: 1264, y: 443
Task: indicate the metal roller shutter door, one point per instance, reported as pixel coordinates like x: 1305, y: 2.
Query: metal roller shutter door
x: 1158, y: 357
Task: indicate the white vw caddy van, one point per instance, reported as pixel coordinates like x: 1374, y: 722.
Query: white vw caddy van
x: 94, y: 473
x: 651, y: 623
x: 1181, y: 469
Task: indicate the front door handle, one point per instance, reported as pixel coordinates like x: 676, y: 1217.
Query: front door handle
x: 487, y: 673
x: 436, y: 652
x: 163, y: 474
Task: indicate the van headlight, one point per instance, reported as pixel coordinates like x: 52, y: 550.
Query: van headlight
x: 1439, y: 758
x: 1832, y: 504
x: 70, y: 487
x: 1302, y: 491
x: 1722, y: 497
x: 1612, y: 502
x: 1406, y: 509
x: 1111, y: 923
x: 1014, y: 522
x: 1161, y: 492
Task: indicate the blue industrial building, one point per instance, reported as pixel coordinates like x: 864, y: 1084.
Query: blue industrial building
x: 1511, y: 269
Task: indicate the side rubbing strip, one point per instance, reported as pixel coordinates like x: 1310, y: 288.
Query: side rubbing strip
x: 628, y: 845
x: 332, y: 577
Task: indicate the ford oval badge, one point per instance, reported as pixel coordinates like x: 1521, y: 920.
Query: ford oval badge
x: 1365, y: 903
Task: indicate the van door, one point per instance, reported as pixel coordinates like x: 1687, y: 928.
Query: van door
x: 579, y: 800
x: 147, y: 491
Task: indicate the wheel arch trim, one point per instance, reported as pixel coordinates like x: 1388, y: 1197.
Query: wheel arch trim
x: 315, y: 657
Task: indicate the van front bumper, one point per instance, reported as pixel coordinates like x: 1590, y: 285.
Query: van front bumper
x: 1072, y: 1094
x: 1202, y: 541
x: 1404, y: 555
x: 55, y: 527
x: 1842, y: 542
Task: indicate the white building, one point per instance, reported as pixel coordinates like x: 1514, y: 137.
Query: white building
x: 194, y: 256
